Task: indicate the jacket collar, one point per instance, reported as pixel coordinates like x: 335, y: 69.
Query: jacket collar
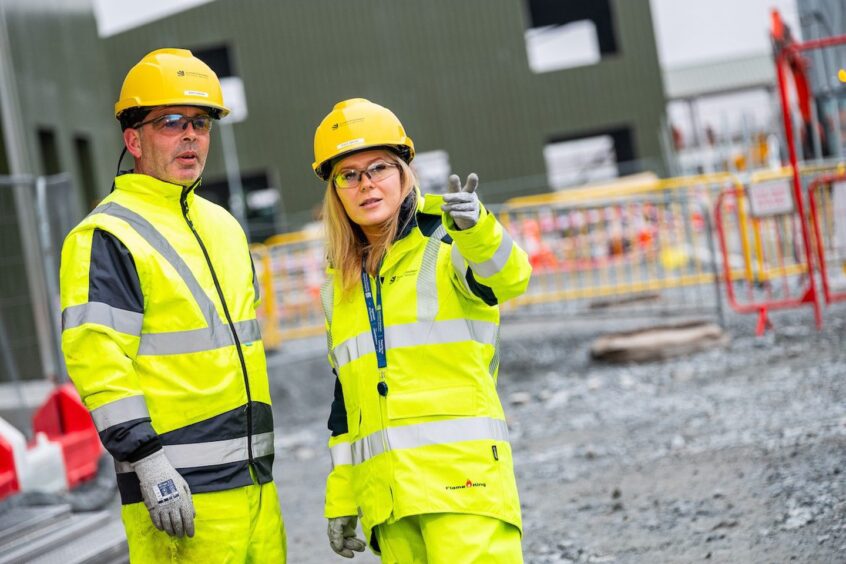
x: 408, y: 214
x: 149, y: 186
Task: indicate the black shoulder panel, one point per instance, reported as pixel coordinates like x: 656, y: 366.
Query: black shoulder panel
x: 429, y: 223
x: 480, y: 290
x: 113, y: 278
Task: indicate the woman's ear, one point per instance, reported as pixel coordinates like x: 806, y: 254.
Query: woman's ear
x: 132, y: 140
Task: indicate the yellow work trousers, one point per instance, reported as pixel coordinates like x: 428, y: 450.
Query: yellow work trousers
x: 447, y: 538
x: 237, y: 526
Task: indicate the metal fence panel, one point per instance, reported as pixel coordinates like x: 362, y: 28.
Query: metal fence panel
x: 54, y: 204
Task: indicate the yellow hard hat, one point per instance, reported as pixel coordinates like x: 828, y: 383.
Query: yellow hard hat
x: 171, y: 77
x: 357, y: 124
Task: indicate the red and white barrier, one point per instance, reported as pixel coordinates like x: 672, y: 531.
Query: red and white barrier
x: 64, y: 452
x: 9, y: 483
x: 37, y: 467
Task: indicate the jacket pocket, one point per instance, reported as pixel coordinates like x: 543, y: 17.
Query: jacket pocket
x: 456, y: 400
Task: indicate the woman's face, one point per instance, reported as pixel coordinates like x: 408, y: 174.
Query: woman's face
x: 371, y: 202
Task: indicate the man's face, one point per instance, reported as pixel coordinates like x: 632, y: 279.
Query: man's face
x: 174, y: 155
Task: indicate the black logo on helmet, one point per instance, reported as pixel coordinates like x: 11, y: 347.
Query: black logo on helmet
x: 334, y: 126
x: 180, y: 73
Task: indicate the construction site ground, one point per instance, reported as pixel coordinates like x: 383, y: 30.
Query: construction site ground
x: 735, y: 454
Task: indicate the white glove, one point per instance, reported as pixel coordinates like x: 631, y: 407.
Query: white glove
x: 342, y: 537
x: 166, y: 495
x: 462, y: 204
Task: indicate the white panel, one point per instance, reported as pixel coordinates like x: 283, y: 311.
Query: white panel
x: 116, y: 16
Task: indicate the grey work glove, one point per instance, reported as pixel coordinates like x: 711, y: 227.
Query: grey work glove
x: 166, y: 495
x: 462, y: 203
x: 342, y: 537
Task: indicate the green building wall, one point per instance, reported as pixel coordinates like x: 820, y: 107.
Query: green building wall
x: 456, y: 73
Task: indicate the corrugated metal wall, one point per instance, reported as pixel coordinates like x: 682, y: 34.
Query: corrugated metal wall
x: 455, y: 72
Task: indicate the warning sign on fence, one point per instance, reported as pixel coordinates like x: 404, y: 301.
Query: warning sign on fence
x: 770, y: 198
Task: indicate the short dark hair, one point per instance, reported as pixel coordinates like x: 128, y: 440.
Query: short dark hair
x: 130, y: 117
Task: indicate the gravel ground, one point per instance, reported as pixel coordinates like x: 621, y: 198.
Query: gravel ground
x: 729, y: 455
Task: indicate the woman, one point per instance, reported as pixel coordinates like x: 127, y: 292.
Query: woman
x: 419, y: 441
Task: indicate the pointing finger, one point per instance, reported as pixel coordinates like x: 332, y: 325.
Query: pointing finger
x: 472, y: 182
x: 454, y: 184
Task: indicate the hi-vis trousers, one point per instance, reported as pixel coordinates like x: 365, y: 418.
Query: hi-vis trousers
x: 238, y: 525
x: 447, y: 538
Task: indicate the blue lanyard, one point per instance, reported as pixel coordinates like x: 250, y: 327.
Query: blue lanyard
x: 374, y: 314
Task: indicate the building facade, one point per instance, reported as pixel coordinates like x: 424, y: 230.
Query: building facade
x: 459, y: 75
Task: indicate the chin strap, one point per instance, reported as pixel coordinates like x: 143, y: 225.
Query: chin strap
x: 117, y: 172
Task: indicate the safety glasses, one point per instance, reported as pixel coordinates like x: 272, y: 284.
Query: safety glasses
x: 351, y: 178
x: 176, y: 123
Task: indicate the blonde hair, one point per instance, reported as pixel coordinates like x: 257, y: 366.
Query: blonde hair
x: 345, y: 242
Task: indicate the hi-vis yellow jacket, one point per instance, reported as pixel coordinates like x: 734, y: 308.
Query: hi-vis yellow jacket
x: 427, y: 433
x: 161, y: 339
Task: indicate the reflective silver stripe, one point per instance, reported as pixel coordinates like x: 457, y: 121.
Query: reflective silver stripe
x: 121, y: 320
x: 341, y: 454
x: 212, y: 453
x: 166, y: 250
x: 120, y: 411
x: 414, y: 334
x: 354, y: 348
x: 494, y: 264
x: 248, y: 330
x: 198, y: 340
x: 427, y: 285
x: 431, y: 433
x: 327, y: 298
x: 492, y: 367
x: 460, y: 266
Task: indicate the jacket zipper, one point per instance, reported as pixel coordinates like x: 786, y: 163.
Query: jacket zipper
x: 184, y: 205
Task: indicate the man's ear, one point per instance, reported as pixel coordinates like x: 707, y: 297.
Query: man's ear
x: 132, y: 140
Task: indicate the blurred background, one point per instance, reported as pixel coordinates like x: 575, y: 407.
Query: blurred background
x: 533, y: 95
x: 646, y: 153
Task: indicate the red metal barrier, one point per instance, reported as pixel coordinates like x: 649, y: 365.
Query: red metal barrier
x: 816, y: 222
x: 790, y: 62
x: 773, y: 280
x: 64, y: 419
x: 788, y: 56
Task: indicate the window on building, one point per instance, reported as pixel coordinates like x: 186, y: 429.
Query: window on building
x: 579, y: 160
x: 218, y: 57
x: 562, y: 35
x: 85, y: 166
x: 49, y: 151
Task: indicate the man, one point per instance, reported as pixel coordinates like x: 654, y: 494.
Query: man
x: 161, y: 339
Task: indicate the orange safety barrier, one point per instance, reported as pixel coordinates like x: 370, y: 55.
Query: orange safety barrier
x: 644, y: 247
